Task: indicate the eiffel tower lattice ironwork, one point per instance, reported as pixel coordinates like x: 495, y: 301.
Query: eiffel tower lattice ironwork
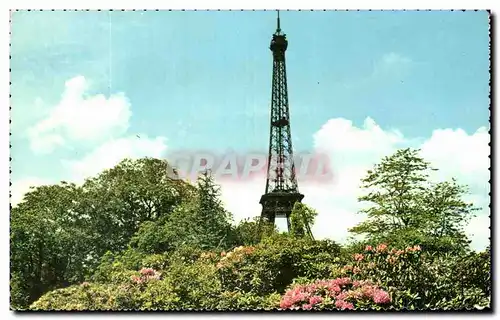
x: 282, y: 191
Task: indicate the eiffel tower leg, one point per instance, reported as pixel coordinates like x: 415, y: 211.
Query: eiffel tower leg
x: 289, y: 225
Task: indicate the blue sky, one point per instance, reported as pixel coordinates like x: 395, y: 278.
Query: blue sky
x: 202, y: 79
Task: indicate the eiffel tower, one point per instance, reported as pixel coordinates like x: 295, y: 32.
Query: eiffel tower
x: 282, y: 191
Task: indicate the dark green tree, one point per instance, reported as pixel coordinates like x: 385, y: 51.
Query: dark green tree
x: 200, y: 221
x: 49, y: 245
x: 122, y: 198
x: 59, y: 232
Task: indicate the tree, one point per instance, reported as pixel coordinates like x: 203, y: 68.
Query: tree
x: 251, y: 231
x: 407, y: 207
x: 214, y: 220
x: 134, y: 191
x: 48, y: 243
x: 200, y: 221
x: 301, y: 220
x: 60, y: 232
x: 447, y: 213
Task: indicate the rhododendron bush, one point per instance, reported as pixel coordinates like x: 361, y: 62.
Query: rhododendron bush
x: 340, y: 293
x: 416, y: 279
x: 279, y: 274
x: 273, y: 265
x: 244, y: 277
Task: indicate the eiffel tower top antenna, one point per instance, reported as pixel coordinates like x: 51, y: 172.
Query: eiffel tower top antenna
x: 278, y: 29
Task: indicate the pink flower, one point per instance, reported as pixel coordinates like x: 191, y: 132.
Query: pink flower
x: 356, y: 270
x: 369, y: 248
x: 400, y: 252
x: 358, y: 257
x: 381, y: 247
x: 342, y: 296
x: 348, y: 306
x: 341, y: 304
x: 334, y: 289
x: 147, y: 271
x: 413, y: 249
x: 342, y: 281
x: 315, y: 300
x: 223, y: 253
x: 136, y: 279
x: 285, y: 304
x: 307, y: 307
x: 381, y: 297
x: 311, y: 288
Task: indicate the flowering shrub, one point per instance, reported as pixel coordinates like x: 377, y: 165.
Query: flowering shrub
x: 415, y: 279
x: 90, y: 296
x: 340, y: 293
x: 145, y: 275
x: 282, y: 273
x: 272, y: 265
x: 235, y: 256
x: 119, y: 268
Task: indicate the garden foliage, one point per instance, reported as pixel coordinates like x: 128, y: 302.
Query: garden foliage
x: 133, y: 239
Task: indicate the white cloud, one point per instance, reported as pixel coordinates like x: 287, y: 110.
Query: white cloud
x: 353, y: 151
x: 80, y: 118
x: 455, y: 153
x: 99, y: 121
x: 112, y: 152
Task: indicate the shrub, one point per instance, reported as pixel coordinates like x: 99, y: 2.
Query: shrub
x: 237, y: 300
x: 88, y: 296
x: 272, y: 265
x: 340, y: 293
x: 416, y: 279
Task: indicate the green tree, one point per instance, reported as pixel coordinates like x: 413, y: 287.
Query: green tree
x: 406, y: 207
x: 49, y: 247
x: 200, y: 221
x: 301, y: 220
x: 212, y: 218
x: 134, y: 191
x: 251, y: 231
x: 59, y: 232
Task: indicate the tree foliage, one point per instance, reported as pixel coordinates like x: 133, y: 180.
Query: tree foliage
x: 252, y: 231
x: 301, y: 220
x: 201, y: 221
x: 60, y: 232
x: 406, y: 207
